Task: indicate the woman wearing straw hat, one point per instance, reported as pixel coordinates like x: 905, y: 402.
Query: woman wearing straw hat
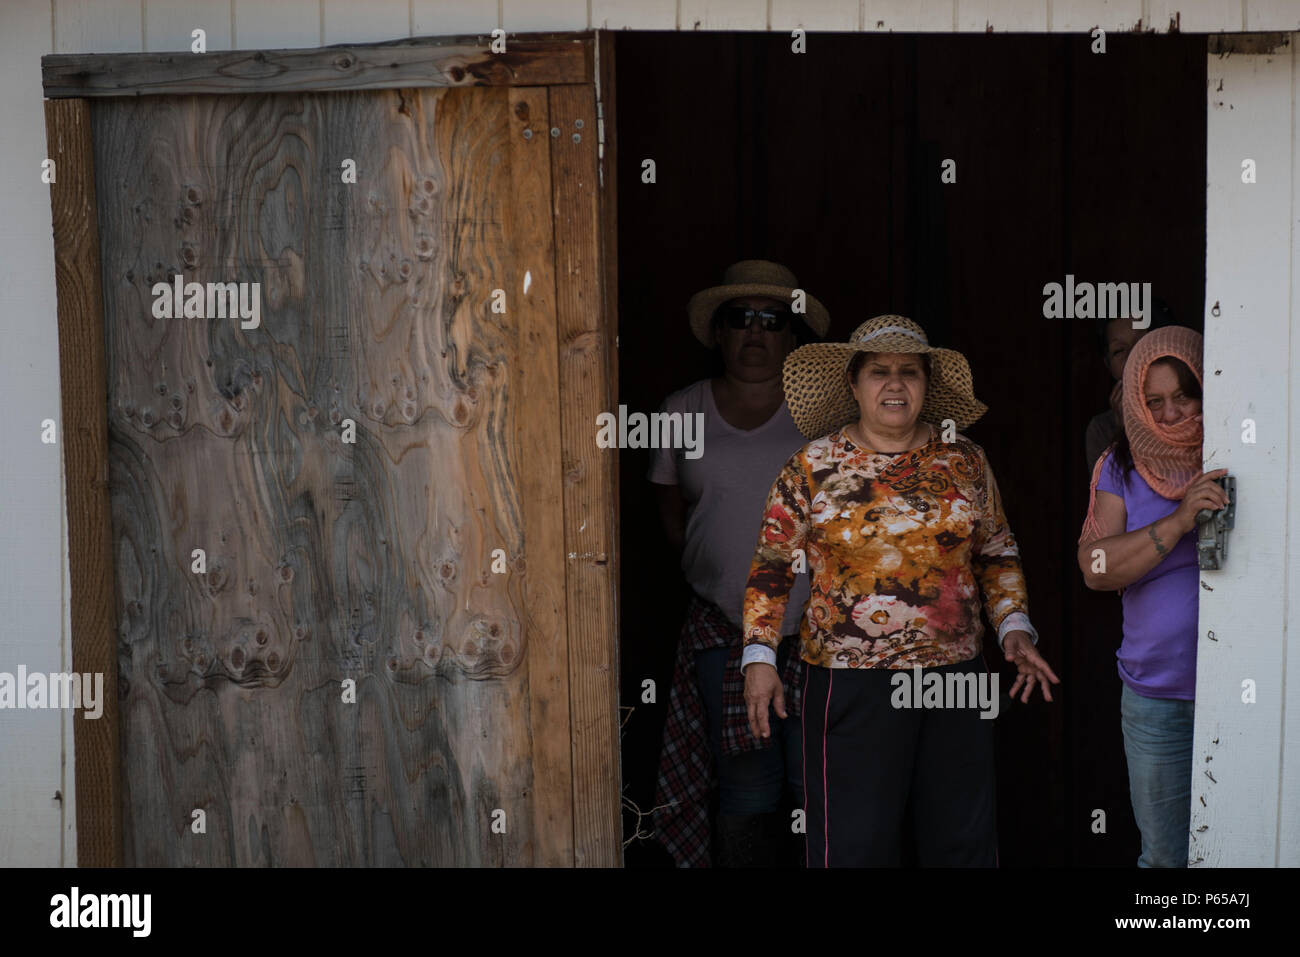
x: 710, y: 508
x: 1146, y: 492
x: 900, y: 523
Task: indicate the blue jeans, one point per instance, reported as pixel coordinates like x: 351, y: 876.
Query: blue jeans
x: 750, y: 782
x: 1158, y: 745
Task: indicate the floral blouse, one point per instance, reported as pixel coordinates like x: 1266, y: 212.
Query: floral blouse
x: 898, y: 549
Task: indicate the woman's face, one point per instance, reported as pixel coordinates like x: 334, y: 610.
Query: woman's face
x: 1121, y: 337
x: 890, y: 390
x: 1165, y: 398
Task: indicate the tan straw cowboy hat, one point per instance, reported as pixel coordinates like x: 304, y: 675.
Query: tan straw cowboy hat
x: 753, y: 277
x: 817, y: 386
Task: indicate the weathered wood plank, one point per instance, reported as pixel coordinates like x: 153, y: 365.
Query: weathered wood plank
x: 327, y: 560
x: 608, y: 109
x: 85, y: 451
x: 529, y: 60
x: 588, y: 479
x: 528, y: 277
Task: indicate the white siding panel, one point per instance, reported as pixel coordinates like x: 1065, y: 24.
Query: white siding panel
x: 346, y: 21
x: 1002, y: 16
x: 634, y: 14
x: 1235, y: 758
x: 722, y: 14
x: 1196, y: 16
x: 449, y: 18
x: 262, y: 25
x: 1288, y: 851
x: 535, y: 16
x: 827, y: 15
x: 1272, y: 15
x: 908, y: 16
x: 169, y: 24
x: 33, y: 549
x: 1083, y: 15
x: 101, y: 26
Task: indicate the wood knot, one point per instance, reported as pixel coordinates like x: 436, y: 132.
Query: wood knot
x: 194, y: 195
x: 237, y: 659
x: 457, y: 74
x: 344, y: 61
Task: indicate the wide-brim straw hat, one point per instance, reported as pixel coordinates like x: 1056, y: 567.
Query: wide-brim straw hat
x: 753, y: 277
x: 817, y: 385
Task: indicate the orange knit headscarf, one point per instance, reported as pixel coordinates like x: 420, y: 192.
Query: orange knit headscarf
x: 1168, y: 457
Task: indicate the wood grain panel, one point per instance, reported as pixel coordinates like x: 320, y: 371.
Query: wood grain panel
x: 83, y: 374
x: 327, y: 560
x: 589, y: 526
x: 530, y: 284
x: 533, y: 60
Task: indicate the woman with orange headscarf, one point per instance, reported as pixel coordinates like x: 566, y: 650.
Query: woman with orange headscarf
x: 1140, y: 537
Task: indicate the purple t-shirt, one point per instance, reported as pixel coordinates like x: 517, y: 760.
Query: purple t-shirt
x: 1158, y: 656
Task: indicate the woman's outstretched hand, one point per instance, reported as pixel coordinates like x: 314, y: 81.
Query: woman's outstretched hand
x: 1032, y: 669
x: 763, y: 688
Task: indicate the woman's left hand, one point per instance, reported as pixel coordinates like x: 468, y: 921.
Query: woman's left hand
x: 1020, y: 650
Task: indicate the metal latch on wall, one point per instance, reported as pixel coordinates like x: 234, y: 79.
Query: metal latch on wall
x: 1212, y: 527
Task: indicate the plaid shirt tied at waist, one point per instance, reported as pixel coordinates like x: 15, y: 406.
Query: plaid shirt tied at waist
x: 687, y: 776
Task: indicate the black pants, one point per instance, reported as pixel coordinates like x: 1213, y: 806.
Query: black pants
x: 867, y: 764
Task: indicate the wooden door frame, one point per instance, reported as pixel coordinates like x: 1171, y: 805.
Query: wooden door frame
x: 582, y: 197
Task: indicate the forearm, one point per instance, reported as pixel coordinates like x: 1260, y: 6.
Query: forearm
x: 1117, y: 561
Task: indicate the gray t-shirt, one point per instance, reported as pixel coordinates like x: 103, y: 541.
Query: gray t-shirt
x: 725, y: 490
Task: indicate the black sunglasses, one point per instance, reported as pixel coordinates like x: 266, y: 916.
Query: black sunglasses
x: 741, y: 317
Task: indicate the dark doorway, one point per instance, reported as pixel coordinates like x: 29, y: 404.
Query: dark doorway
x: 829, y: 161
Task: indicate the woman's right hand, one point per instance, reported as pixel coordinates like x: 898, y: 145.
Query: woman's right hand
x: 1205, y: 492
x: 762, y: 689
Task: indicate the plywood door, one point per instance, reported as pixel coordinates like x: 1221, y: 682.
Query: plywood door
x: 329, y: 561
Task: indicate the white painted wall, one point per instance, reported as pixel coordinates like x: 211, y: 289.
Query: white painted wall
x: 1246, y: 757
x: 36, y: 747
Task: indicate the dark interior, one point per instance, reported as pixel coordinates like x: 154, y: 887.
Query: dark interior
x: 829, y: 161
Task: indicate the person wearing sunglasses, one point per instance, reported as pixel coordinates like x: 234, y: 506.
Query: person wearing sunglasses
x: 720, y: 792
